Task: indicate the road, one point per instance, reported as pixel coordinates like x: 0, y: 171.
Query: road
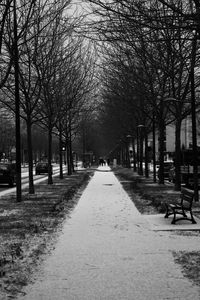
x: 5, y: 189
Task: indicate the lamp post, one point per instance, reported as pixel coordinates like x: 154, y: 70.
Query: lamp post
x: 194, y: 131
x: 129, y: 150
x: 138, y: 149
x: 120, y: 153
x: 140, y: 140
x: 146, y: 153
x: 154, y: 149
x: 143, y: 136
x: 17, y: 108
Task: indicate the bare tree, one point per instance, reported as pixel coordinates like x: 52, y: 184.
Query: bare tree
x: 159, y: 40
x: 75, y: 92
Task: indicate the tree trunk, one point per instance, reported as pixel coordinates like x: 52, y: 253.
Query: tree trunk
x: 194, y: 131
x: 134, y: 157
x: 17, y: 111
x: 71, y: 156
x: 141, y: 151
x: 60, y: 151
x: 138, y: 153
x: 69, y: 169
x: 146, y: 155
x: 50, y: 179
x: 161, y: 150
x: 30, y: 156
x: 154, y: 149
x: 177, y: 156
x: 70, y: 149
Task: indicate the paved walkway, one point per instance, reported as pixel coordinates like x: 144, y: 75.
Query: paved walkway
x: 107, y: 251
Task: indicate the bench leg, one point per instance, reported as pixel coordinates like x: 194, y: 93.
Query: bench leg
x: 192, y: 218
x: 167, y: 211
x: 183, y: 212
x: 174, y: 218
x: 184, y: 217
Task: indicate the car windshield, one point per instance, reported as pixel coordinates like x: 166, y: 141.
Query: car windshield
x: 168, y: 166
x: 4, y: 166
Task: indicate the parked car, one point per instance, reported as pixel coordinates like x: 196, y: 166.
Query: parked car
x: 8, y: 173
x: 167, y: 167
x: 41, y: 168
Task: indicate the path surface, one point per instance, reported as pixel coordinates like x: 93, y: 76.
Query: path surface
x: 107, y: 251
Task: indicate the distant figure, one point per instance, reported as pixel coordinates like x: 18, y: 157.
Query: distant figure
x: 101, y: 161
x: 108, y: 161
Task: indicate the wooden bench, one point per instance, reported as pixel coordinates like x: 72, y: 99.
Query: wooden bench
x: 185, y: 205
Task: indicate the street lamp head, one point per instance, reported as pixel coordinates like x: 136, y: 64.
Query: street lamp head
x: 128, y: 136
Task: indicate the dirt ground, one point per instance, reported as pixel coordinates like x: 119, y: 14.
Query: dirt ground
x: 149, y: 198
x: 29, y: 228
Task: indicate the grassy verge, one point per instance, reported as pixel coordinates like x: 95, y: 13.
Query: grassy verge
x: 149, y: 198
x: 29, y: 229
